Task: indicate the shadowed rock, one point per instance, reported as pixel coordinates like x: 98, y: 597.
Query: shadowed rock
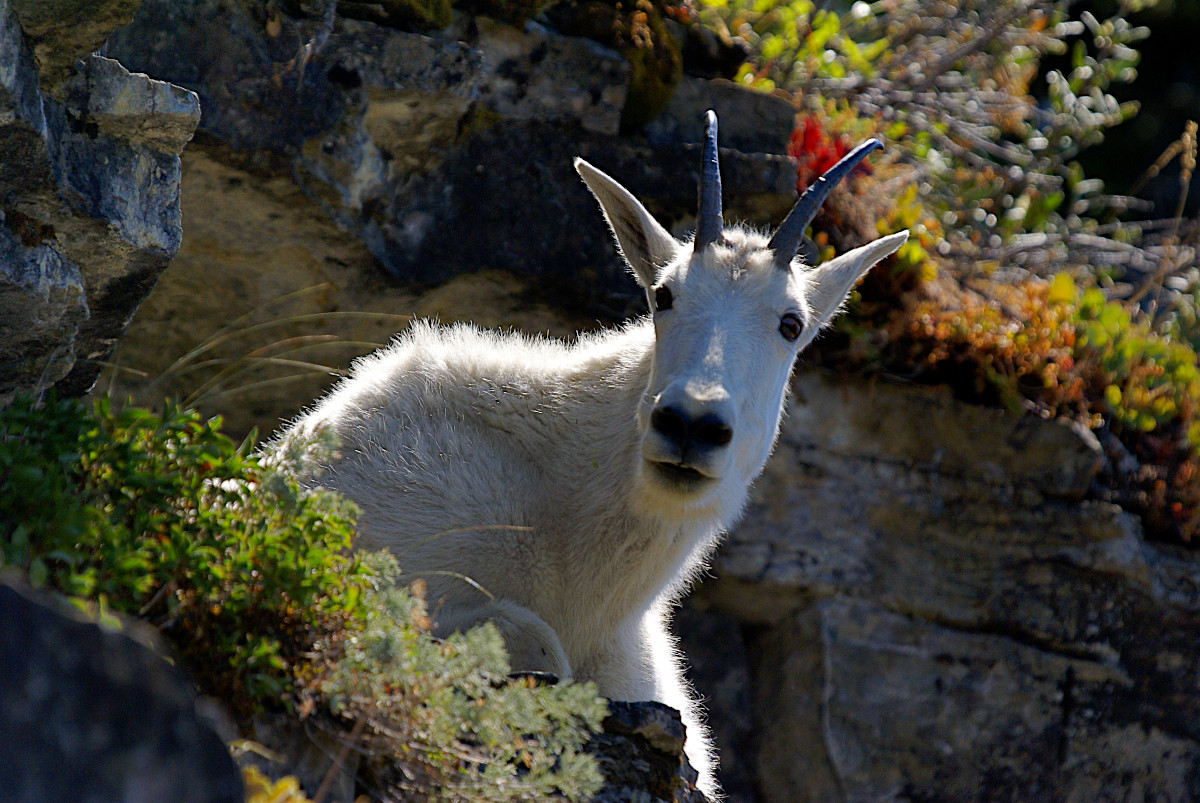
x: 91, y: 714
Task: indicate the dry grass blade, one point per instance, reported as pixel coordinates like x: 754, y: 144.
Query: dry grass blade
x: 279, y: 380
x: 473, y: 529
x: 335, y: 769
x: 236, y: 325
x: 239, y: 365
x: 1185, y: 149
x: 240, y: 326
x: 309, y: 367
x: 226, y: 334
x: 457, y: 575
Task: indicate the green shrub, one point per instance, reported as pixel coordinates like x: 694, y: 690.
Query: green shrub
x: 443, y: 714
x: 250, y: 579
x: 166, y: 519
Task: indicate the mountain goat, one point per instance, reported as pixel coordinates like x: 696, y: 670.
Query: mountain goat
x: 581, y: 487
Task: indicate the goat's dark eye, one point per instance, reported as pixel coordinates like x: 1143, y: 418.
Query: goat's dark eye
x: 790, y: 326
x: 662, y: 299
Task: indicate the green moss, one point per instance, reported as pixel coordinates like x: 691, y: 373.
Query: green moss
x: 640, y: 33
x: 657, y: 62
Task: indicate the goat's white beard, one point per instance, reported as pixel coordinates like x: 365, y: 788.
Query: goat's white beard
x: 657, y: 498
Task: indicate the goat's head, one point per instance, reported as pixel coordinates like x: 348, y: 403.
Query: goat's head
x: 731, y: 312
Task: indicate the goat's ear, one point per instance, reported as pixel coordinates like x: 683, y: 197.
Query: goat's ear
x: 645, y: 244
x: 830, y: 282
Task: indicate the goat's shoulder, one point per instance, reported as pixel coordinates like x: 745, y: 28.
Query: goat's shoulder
x: 430, y: 368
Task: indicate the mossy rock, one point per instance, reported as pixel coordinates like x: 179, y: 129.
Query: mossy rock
x: 657, y: 64
x: 640, y: 32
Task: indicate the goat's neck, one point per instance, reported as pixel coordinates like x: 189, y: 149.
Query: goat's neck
x: 646, y: 546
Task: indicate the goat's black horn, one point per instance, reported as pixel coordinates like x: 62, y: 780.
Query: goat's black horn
x: 787, y: 239
x: 709, y: 223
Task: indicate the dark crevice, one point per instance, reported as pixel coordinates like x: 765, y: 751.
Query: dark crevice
x: 1067, y: 709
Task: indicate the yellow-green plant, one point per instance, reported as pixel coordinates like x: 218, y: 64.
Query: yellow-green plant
x: 444, y: 715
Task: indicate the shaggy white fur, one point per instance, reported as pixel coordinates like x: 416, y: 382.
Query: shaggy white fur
x: 583, y: 486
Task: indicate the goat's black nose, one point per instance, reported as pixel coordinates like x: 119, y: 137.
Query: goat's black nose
x: 708, y: 430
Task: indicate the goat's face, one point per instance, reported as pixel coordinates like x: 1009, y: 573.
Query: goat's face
x: 731, y: 312
x: 728, y: 325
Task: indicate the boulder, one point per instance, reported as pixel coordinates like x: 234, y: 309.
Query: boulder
x: 420, y: 145
x: 89, y: 713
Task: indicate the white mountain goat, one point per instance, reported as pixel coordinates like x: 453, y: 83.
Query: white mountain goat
x: 583, y: 486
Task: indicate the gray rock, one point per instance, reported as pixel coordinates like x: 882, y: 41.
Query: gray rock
x: 419, y: 145
x: 253, y: 91
x: 938, y: 507
x: 42, y: 306
x: 464, y: 216
x: 937, y: 616
x: 120, y: 221
x: 640, y: 753
x: 902, y: 709
x: 536, y: 74
x: 89, y: 195
x: 750, y: 121
x: 135, y: 108
x: 718, y: 666
x: 91, y: 714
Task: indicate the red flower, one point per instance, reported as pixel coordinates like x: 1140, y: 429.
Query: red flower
x: 815, y: 151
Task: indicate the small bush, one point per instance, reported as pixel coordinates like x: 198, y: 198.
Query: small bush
x: 250, y: 579
x: 166, y: 519
x: 1051, y: 349
x: 443, y: 714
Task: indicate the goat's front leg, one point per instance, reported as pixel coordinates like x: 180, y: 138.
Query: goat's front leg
x: 532, y: 645
x: 642, y: 663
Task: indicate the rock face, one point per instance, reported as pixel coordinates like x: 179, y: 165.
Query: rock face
x: 451, y: 154
x: 931, y: 611
x: 89, y: 183
x: 398, y: 171
x: 90, y: 714
x: 639, y: 750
